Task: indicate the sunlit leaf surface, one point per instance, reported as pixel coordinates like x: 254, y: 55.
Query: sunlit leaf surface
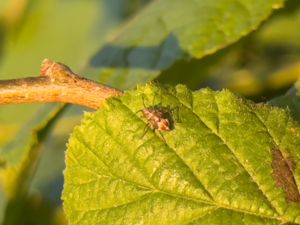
x: 226, y: 160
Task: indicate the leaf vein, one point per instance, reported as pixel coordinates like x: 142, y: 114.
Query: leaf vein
x: 182, y: 160
x: 110, y: 171
x: 217, y: 134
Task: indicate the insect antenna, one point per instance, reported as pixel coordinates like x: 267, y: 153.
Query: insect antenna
x: 141, y: 110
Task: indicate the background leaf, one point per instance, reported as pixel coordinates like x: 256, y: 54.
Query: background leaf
x: 257, y: 66
x: 159, y: 36
x: 227, y: 161
x: 19, y: 160
x: 51, y: 29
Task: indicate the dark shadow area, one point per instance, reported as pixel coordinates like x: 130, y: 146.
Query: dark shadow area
x: 124, y: 8
x: 192, y: 72
x: 149, y: 57
x: 52, y: 191
x: 28, y: 211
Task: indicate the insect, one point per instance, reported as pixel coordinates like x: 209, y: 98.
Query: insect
x: 160, y: 118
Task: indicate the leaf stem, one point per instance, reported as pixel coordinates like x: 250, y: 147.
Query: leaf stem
x: 57, y: 83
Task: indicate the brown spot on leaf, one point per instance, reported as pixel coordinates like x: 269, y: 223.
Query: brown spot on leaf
x: 283, y: 175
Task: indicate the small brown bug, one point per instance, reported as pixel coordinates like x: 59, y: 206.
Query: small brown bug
x: 159, y: 118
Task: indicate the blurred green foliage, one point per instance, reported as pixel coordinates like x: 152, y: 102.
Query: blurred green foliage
x: 67, y: 31
x: 260, y: 66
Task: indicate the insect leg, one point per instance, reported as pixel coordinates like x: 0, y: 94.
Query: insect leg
x: 160, y: 133
x: 141, y: 110
x: 146, y: 128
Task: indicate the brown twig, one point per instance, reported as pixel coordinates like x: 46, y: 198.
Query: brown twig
x: 57, y: 83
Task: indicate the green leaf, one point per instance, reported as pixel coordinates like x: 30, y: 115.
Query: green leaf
x: 52, y: 29
x: 253, y: 67
x: 226, y: 161
x: 20, y: 157
x: 171, y: 30
x: 18, y: 162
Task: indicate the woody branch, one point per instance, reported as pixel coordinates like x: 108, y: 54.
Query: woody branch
x: 57, y: 83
